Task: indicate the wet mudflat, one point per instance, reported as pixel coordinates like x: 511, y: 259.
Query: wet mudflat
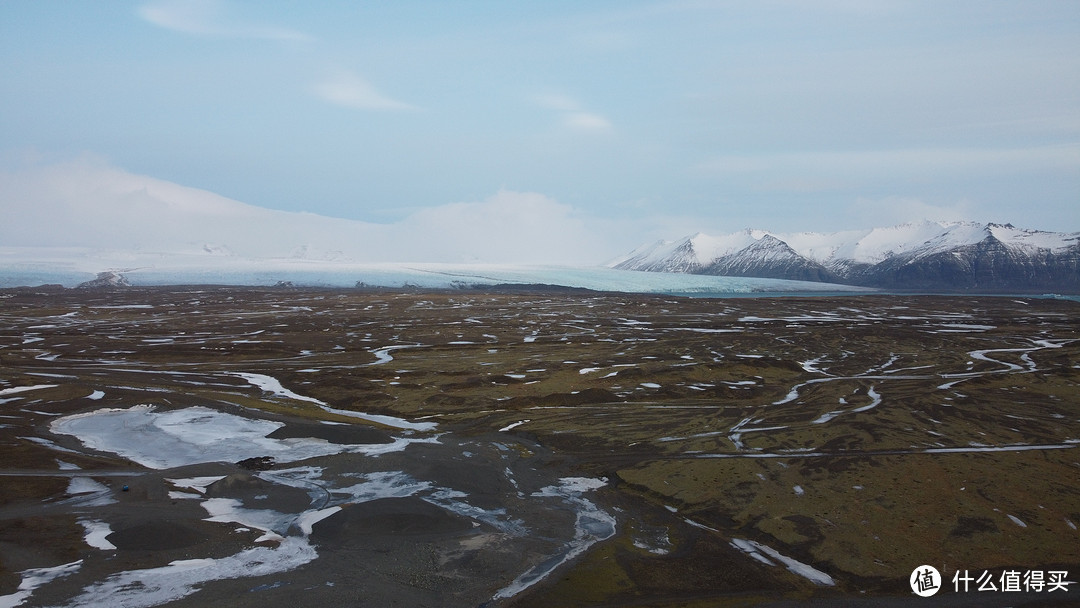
x: 282, y: 447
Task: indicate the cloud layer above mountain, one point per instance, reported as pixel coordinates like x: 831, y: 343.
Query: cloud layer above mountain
x: 88, y: 203
x: 683, y: 115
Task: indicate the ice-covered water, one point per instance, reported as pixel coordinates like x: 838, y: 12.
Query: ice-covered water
x: 592, y: 526
x: 180, y: 578
x: 171, y: 438
x: 273, y: 386
x: 162, y: 439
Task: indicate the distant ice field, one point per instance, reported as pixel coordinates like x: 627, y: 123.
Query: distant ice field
x: 20, y: 267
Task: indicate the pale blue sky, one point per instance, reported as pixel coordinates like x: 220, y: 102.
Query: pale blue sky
x: 651, y: 118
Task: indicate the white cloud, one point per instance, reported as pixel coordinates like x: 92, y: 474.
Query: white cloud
x: 892, y: 210
x: 89, y: 204
x: 572, y: 114
x: 522, y: 227
x: 555, y: 101
x: 835, y: 168
x: 210, y: 18
x: 346, y: 89
x: 586, y: 121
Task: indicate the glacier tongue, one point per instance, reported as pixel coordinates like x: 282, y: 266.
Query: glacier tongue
x: 71, y: 267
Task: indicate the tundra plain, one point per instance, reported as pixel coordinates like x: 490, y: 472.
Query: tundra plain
x: 293, y: 447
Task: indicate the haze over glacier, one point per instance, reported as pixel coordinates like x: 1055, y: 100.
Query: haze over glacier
x: 87, y: 203
x: 85, y: 217
x: 522, y: 134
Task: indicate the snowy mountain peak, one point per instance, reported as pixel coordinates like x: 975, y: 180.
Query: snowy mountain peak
x: 922, y: 255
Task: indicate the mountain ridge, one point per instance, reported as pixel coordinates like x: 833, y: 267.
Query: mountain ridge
x: 927, y: 255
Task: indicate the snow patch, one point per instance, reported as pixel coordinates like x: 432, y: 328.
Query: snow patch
x: 22, y: 389
x: 34, y: 578
x: 513, y: 426
x: 178, y: 579
x: 1016, y: 520
x: 764, y: 553
x: 96, y: 534
x: 273, y: 386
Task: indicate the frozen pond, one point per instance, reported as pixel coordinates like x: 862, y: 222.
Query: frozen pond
x: 173, y: 438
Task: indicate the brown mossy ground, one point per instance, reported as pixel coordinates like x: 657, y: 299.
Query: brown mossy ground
x: 873, y: 516
x: 816, y: 426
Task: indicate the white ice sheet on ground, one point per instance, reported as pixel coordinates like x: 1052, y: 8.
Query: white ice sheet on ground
x: 156, y: 586
x: 23, y: 389
x: 172, y: 438
x: 34, y: 578
x: 592, y: 526
x: 759, y: 551
x: 199, y: 484
x: 306, y: 520
x: 272, y: 385
x: 97, y: 533
x: 86, y: 492
x: 85, y: 485
x: 572, y: 486
x: 384, y: 484
x: 391, y: 421
x: 513, y: 425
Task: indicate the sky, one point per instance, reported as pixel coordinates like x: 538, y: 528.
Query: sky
x: 606, y: 123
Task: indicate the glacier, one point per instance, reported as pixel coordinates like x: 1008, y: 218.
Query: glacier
x: 70, y: 267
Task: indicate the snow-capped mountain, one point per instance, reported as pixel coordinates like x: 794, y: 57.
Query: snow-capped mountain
x: 962, y: 256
